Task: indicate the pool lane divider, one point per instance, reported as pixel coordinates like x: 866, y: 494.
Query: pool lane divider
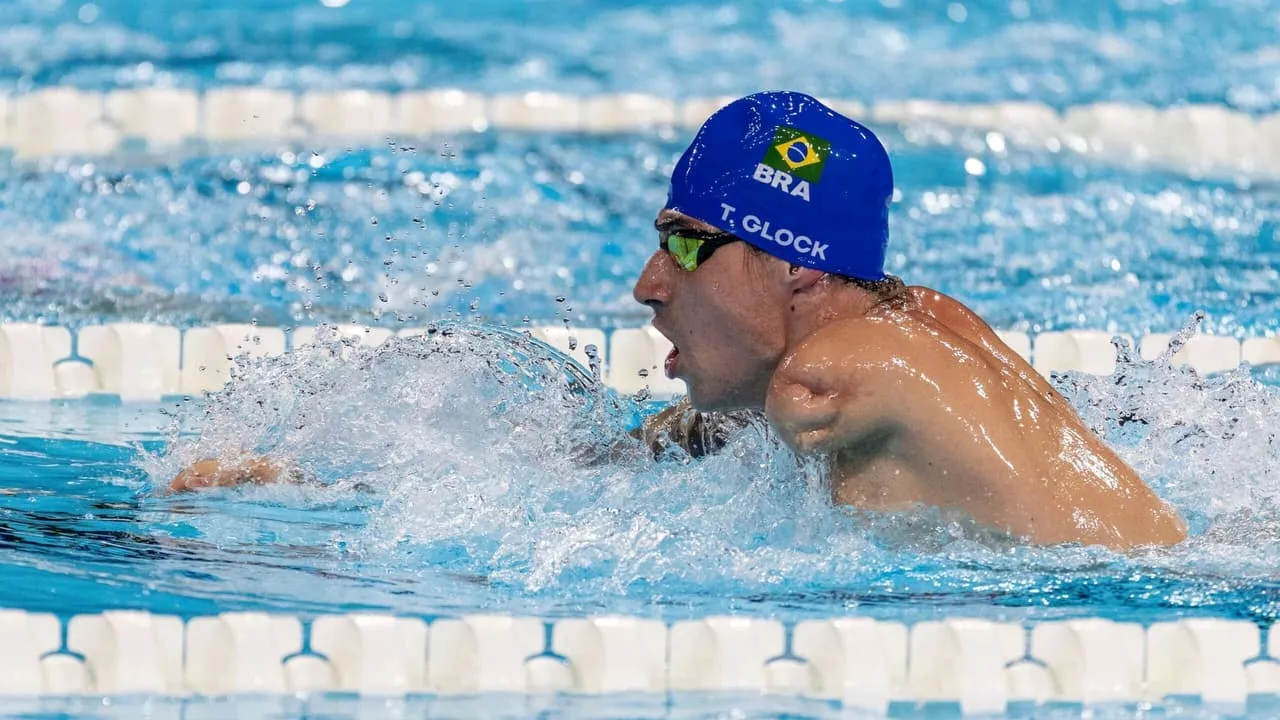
x: 146, y: 362
x: 984, y: 666
x: 1203, y: 140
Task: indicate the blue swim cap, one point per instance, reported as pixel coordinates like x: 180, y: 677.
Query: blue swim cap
x: 794, y: 178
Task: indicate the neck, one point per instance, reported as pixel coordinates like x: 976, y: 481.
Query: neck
x: 831, y: 300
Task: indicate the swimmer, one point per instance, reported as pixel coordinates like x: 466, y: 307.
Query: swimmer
x: 769, y: 281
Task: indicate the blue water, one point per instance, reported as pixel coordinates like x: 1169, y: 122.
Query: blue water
x: 444, y: 487
x: 504, y: 227
x: 1061, y: 52
x: 507, y: 228
x: 500, y: 225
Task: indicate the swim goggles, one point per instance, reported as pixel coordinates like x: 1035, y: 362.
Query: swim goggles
x: 691, y: 248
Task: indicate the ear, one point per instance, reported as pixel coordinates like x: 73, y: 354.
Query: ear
x: 801, y: 279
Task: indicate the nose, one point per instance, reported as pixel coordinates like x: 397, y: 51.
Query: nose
x: 653, y: 288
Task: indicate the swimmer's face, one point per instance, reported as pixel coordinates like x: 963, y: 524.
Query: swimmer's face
x: 726, y: 318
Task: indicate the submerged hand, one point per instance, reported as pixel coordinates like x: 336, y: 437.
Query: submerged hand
x: 219, y: 473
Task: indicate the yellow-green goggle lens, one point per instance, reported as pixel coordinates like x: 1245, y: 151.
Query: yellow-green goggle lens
x: 684, y: 250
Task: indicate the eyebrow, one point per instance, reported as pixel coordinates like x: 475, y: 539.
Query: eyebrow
x: 670, y: 224
x: 679, y: 224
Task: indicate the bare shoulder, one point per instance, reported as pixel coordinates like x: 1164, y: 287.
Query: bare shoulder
x: 856, y: 336
x: 856, y: 347
x: 844, y: 383
x: 952, y: 316
x: 950, y: 312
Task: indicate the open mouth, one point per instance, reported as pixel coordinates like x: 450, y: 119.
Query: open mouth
x: 669, y: 366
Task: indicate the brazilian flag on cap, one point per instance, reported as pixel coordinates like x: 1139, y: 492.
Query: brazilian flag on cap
x: 797, y: 153
x: 833, y: 215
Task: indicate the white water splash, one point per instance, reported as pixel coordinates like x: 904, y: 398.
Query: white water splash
x: 1210, y: 445
x: 476, y: 453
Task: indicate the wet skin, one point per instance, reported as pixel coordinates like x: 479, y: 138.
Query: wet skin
x: 912, y: 400
x: 229, y: 471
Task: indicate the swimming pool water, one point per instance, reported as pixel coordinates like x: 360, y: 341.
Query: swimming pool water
x: 286, y: 232
x: 1056, y: 51
x: 444, y: 488
x: 505, y: 227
